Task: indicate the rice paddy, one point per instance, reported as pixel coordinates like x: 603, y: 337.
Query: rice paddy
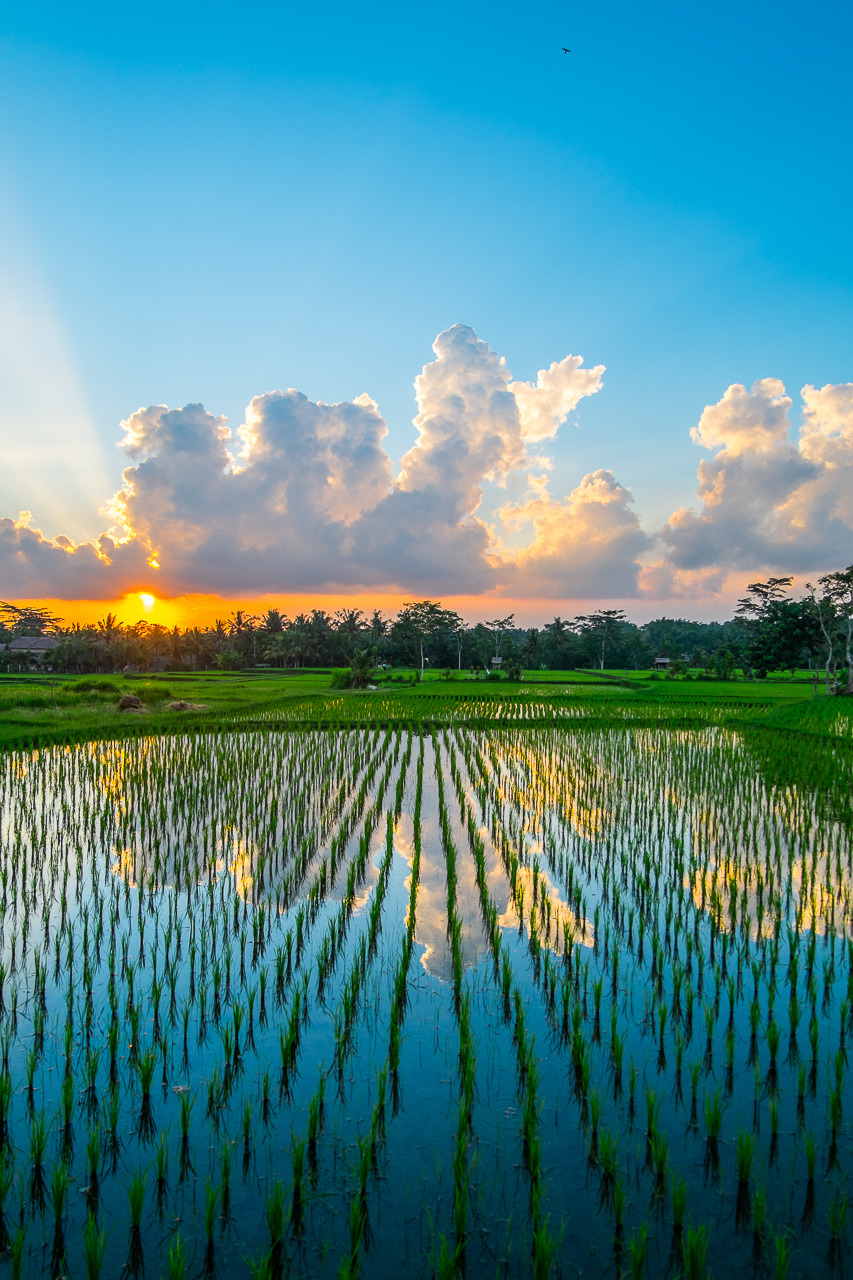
x: 540, y: 995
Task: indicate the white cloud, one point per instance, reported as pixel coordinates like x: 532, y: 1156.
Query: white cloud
x: 584, y: 546
x: 754, y: 421
x: 303, y: 495
x: 768, y: 501
x: 543, y: 406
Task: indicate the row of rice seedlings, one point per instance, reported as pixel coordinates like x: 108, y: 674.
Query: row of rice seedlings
x: 145, y: 1058
x: 543, y: 1243
x: 369, y: 1146
x: 454, y: 1262
x: 657, y: 968
x: 612, y: 922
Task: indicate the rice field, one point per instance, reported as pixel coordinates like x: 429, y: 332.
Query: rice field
x: 512, y: 999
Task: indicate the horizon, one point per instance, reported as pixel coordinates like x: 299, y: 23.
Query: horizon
x: 201, y: 613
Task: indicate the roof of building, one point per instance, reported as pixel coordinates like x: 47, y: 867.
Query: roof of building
x: 32, y: 644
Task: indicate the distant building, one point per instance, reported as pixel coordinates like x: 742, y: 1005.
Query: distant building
x: 662, y: 664
x: 35, y: 648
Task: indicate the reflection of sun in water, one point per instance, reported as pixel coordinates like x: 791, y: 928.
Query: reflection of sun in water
x: 148, y: 601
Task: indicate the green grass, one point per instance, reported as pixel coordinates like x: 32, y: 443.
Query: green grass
x: 37, y: 710
x: 41, y: 709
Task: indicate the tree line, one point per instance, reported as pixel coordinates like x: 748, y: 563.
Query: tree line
x: 770, y: 631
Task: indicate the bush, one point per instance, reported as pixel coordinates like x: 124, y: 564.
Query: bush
x: 95, y: 686
x: 342, y: 678
x: 154, y: 692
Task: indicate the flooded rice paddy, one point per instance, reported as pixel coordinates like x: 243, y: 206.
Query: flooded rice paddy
x: 506, y: 1002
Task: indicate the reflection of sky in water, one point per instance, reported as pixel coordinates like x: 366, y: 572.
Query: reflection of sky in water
x: 237, y: 810
x: 590, y: 817
x: 431, y: 912
x: 648, y: 794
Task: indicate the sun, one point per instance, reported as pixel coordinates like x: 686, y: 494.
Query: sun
x: 148, y: 601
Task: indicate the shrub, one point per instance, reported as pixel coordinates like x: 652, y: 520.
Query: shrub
x: 342, y: 678
x: 95, y: 686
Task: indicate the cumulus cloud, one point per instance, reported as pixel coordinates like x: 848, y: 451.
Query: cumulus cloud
x: 544, y: 405
x: 769, y: 501
x: 584, y: 546
x: 32, y: 565
x: 303, y: 494
x: 469, y: 433
x: 744, y: 421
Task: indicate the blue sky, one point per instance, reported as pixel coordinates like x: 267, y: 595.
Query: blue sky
x: 206, y: 204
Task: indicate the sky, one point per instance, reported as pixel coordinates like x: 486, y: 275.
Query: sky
x: 317, y: 306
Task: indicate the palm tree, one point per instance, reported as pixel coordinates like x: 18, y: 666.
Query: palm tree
x: 350, y: 627
x: 109, y: 631
x: 361, y: 666
x: 273, y: 621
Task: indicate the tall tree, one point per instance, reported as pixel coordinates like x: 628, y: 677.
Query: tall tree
x: 350, y: 627
x: 600, y: 629
x: 499, y: 628
x: 835, y: 617
x: 422, y: 621
x: 839, y: 587
x: 26, y: 620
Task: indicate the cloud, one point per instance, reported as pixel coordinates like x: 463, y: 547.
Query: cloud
x: 426, y: 529
x: 303, y: 494
x: 744, y: 421
x: 584, y: 546
x: 768, y: 501
x: 33, y: 566
x: 543, y: 406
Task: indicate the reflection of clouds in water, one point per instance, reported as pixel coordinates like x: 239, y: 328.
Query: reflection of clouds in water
x: 234, y: 857
x: 126, y: 866
x: 552, y: 926
x: 821, y: 908
x: 431, y: 921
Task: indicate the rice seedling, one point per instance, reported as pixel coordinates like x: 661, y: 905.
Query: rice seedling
x: 94, y: 1248
x: 211, y: 1201
x: 837, y: 1223
x: 161, y: 1167
x: 638, y: 1252
x: 136, y: 1199
x: 225, y: 1179
x: 177, y: 1262
x: 695, y: 1251
x: 38, y: 1145
x: 186, y: 1166
x: 783, y: 1254
x: 145, y: 1125
x: 275, y: 1222
x: 297, y: 1202
x: 679, y: 1204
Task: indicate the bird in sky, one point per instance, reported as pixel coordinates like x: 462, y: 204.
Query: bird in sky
x: 565, y: 50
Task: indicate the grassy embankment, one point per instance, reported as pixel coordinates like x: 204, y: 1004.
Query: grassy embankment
x: 41, y: 709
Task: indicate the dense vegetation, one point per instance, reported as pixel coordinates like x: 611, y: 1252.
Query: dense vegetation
x: 770, y: 632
